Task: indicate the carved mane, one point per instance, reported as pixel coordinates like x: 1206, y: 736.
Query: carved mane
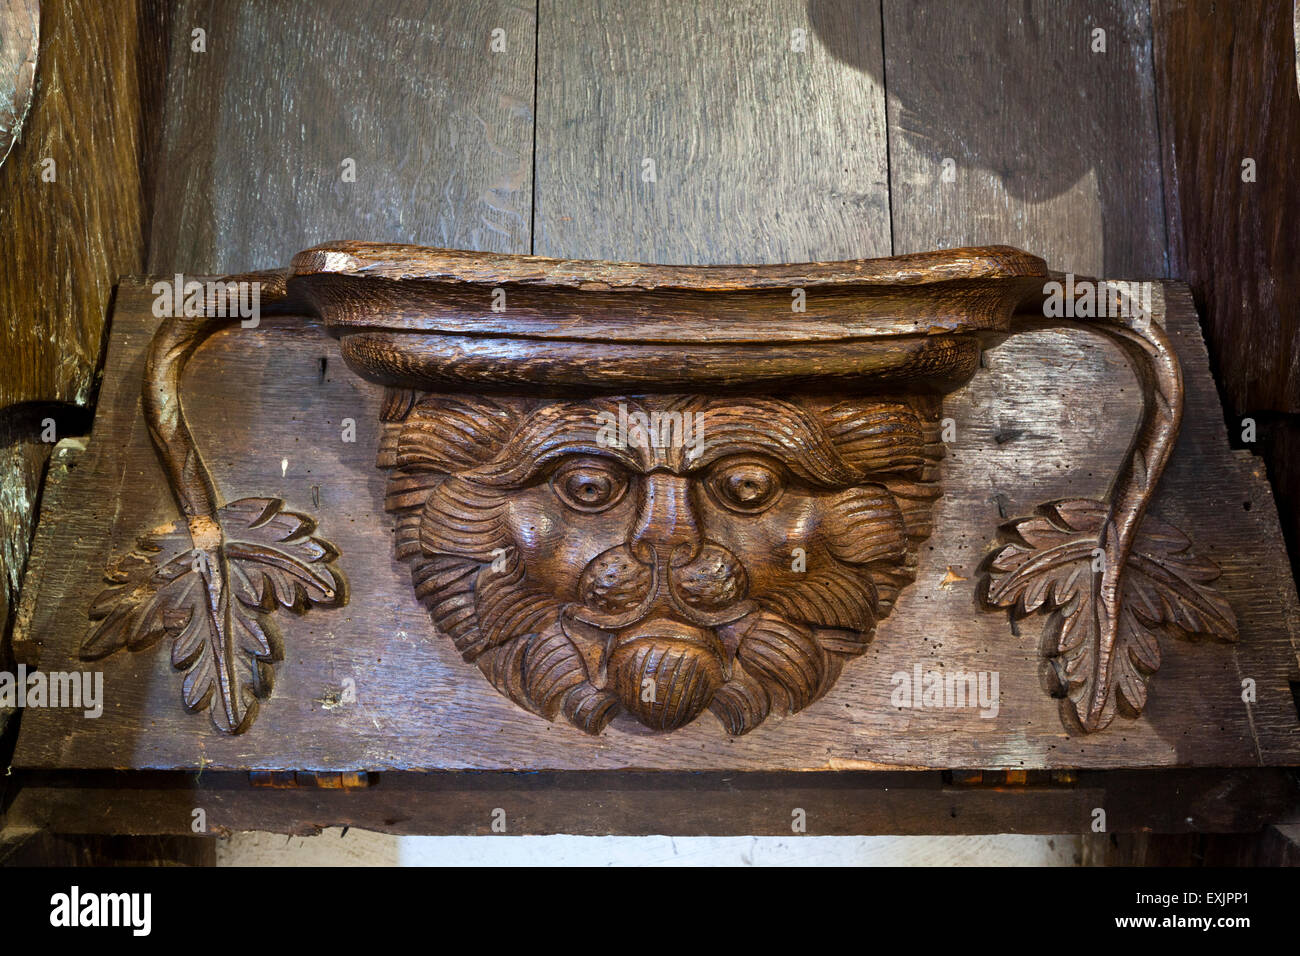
x: 454, y: 462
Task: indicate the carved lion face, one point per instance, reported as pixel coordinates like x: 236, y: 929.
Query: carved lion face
x: 664, y: 554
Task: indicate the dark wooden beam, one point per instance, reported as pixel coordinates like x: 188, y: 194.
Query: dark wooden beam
x: 680, y: 804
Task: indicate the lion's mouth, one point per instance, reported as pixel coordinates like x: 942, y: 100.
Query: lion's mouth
x: 661, y: 629
x: 665, y: 672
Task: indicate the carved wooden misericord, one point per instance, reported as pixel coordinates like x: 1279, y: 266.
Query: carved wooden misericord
x: 661, y: 490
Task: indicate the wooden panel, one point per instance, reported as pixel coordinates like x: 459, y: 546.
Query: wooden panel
x: 258, y: 127
x: 20, y: 27
x: 65, y: 240
x: 1227, y: 77
x: 46, y: 848
x: 761, y: 153
x: 1228, y: 92
x: 1055, y: 147
x: 22, y: 464
x: 1026, y: 433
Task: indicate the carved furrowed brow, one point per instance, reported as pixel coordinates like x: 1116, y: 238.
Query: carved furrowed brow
x: 782, y: 430
x: 551, y: 433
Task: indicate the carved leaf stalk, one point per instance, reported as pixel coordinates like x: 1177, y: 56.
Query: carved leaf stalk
x: 1113, y: 578
x: 214, y: 600
x: 210, y: 582
x: 1051, y: 563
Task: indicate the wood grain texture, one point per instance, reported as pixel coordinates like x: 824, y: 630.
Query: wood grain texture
x: 1228, y: 93
x: 1023, y: 437
x: 20, y: 37
x: 22, y: 468
x: 64, y: 242
x: 631, y: 802
x: 398, y: 289
x: 258, y: 127
x: 409, y: 688
x: 30, y: 848
x: 1055, y: 147
x: 659, y: 314
x: 1117, y: 577
x: 378, y: 260
x: 594, y: 568
x: 760, y: 153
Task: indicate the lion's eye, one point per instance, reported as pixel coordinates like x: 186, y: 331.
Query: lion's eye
x: 589, y: 485
x: 746, y: 485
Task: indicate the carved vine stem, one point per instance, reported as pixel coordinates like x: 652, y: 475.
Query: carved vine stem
x: 1104, y: 633
x: 248, y: 556
x: 170, y: 349
x: 1151, y: 357
x: 176, y: 340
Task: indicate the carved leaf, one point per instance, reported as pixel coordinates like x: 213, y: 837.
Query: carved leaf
x: 274, y: 558
x: 267, y: 557
x: 223, y: 653
x: 141, y: 603
x: 1049, y: 564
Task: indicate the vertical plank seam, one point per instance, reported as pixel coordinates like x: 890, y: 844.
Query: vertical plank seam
x: 154, y: 27
x: 889, y: 157
x: 532, y: 220
x: 1166, y: 161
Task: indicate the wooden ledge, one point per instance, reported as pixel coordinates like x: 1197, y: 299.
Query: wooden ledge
x: 382, y: 260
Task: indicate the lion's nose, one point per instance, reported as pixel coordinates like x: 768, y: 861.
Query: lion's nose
x: 666, y: 524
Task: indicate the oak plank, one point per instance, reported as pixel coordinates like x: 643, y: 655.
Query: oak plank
x: 1230, y: 92
x: 1055, y: 147
x: 67, y: 240
x: 1227, y: 83
x: 257, y: 129
x: 1026, y: 433
x: 761, y: 154
x: 680, y: 804
x: 73, y: 186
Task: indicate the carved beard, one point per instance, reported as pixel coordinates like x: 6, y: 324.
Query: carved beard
x: 663, y: 650
x: 661, y: 637
x: 675, y: 638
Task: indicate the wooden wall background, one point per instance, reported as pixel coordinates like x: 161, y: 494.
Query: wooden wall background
x: 1125, y: 162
